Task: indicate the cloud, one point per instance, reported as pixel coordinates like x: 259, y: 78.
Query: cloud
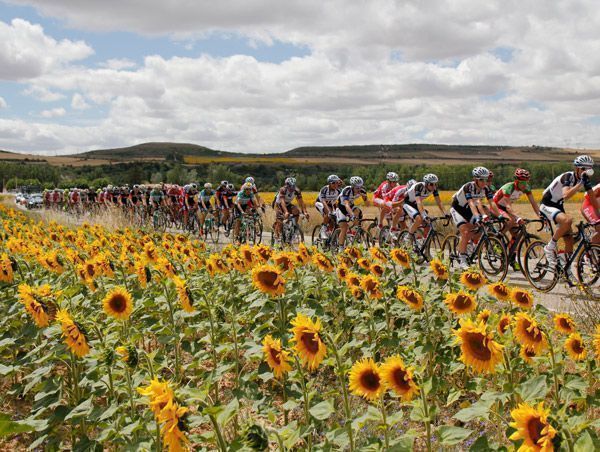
x: 27, y: 52
x: 3, y: 103
x: 78, y: 102
x: 43, y: 94
x: 53, y: 113
x: 118, y: 64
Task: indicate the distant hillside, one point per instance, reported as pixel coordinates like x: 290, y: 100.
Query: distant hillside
x: 168, y: 151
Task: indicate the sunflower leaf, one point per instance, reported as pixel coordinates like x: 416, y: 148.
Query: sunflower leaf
x: 478, y: 409
x: 450, y: 435
x: 10, y: 427
x: 584, y: 443
x: 534, y: 389
x: 323, y: 410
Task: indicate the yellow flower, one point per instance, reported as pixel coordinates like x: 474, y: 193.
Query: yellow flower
x: 262, y: 253
x: 504, y: 323
x: 473, y: 280
x: 364, y: 263
x: 342, y: 272
x: 500, y: 291
x: 118, y: 303
x: 532, y: 426
x: 575, y: 347
x: 284, y: 260
x: 377, y: 269
x: 522, y: 298
x: 527, y: 353
x: 597, y: 342
x: 344, y: 260
x: 357, y: 292
x: 564, y: 323
x: 277, y: 358
x: 74, y: 334
x: 173, y: 430
x: 439, y: 269
x: 484, y: 316
x: 322, y: 262
x: 352, y: 279
x: 150, y: 252
x: 410, y: 296
x: 353, y: 252
x: 6, y: 269
x: 366, y: 379
x: 142, y: 271
x: 478, y: 348
x: 268, y: 279
x: 528, y: 332
x: 401, y: 257
x: 377, y: 253
x: 399, y: 378
x: 159, y: 394
x: 247, y: 255
x: 371, y: 286
x: 460, y: 303
x: 308, y: 344
x: 184, y: 294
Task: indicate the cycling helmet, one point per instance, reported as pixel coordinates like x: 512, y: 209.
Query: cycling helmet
x: 583, y: 161
x: 208, y: 185
x: 356, y: 181
x: 230, y: 186
x: 136, y: 186
x: 290, y: 182
x: 247, y: 186
x: 480, y: 173
x: 193, y: 186
x: 249, y: 179
x: 224, y: 183
x: 392, y: 177
x: 410, y: 183
x: 332, y: 179
x: 430, y: 179
x: 522, y: 174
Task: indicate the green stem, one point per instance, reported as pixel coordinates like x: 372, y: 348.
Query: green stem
x: 213, y: 346
x: 342, y: 380
x: 427, y: 420
x: 285, y: 413
x: 554, y: 372
x: 511, y: 377
x: 282, y: 320
x: 174, y: 331
x: 130, y: 391
x: 220, y: 441
x: 306, y: 401
x: 386, y: 432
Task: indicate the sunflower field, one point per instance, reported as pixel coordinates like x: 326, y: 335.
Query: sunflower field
x: 125, y: 340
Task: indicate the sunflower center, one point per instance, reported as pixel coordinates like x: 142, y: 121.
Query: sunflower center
x: 90, y: 270
x: 473, y: 278
x: 118, y: 303
x: 504, y: 325
x: 530, y: 352
x: 275, y: 355
x: 533, y: 332
x: 370, y: 380
x: 476, y: 345
x: 501, y: 290
x: 577, y: 347
x: 370, y: 285
x: 565, y: 324
x: 534, y: 429
x: 268, y: 278
x: 462, y: 301
x: 311, y: 342
x: 400, y: 379
x: 411, y: 297
x: 521, y: 298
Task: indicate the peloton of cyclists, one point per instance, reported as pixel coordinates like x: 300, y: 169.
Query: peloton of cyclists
x: 325, y: 203
x: 284, y: 207
x: 346, y: 211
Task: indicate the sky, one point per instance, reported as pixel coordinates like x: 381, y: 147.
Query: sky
x: 272, y: 75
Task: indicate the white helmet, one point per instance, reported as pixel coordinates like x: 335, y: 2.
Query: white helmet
x: 208, y: 185
x: 392, y: 177
x: 249, y: 179
x: 430, y: 179
x: 410, y: 183
x: 332, y: 179
x: 481, y: 173
x: 290, y: 182
x: 193, y: 186
x: 356, y: 181
x: 230, y: 186
x: 583, y: 161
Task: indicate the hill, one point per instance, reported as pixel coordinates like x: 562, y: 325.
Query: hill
x: 157, y: 150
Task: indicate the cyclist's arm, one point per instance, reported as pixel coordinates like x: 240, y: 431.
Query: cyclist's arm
x: 533, y: 203
x: 302, y: 206
x: 569, y: 192
x: 475, y: 209
x: 494, y: 208
x: 438, y: 201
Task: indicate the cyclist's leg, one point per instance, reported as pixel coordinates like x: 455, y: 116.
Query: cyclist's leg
x: 342, y: 220
x: 589, y: 214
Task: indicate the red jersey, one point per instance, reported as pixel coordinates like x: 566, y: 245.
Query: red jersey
x: 384, y: 188
x: 398, y: 193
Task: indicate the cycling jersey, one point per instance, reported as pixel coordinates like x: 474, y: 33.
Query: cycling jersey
x: 91, y: 196
x: 156, y: 195
x: 245, y: 199
x: 206, y: 195
x: 509, y: 191
x: 74, y: 197
x: 553, y: 194
x: 588, y: 208
x: 384, y: 188
x: 328, y: 195
x: 396, y: 194
x: 419, y: 191
x: 470, y: 191
x: 288, y: 194
x: 349, y: 195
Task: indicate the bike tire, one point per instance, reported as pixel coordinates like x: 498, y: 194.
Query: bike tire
x: 449, y: 251
x: 536, y: 267
x: 315, y: 237
x: 493, y: 259
x: 522, y: 247
x: 588, y: 270
x: 334, y: 241
x: 433, y: 247
x: 385, y: 239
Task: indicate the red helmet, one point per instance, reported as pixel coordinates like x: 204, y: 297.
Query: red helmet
x: 522, y: 174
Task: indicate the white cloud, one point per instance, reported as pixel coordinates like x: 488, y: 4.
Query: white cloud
x: 27, y: 52
x: 53, y: 113
x: 43, y: 94
x: 118, y: 64
x: 78, y: 102
x: 3, y: 103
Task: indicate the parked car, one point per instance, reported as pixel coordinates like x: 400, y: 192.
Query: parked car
x: 35, y: 201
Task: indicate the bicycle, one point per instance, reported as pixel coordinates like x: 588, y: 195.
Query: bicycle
x: 291, y: 233
x: 250, y: 228
x: 355, y: 236
x: 489, y: 252
x: 522, y: 239
x: 317, y: 238
x: 586, y: 258
x: 425, y: 248
x: 210, y: 228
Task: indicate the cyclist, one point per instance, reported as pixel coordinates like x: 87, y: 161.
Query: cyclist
x: 135, y: 196
x: 223, y: 204
x: 590, y: 211
x: 467, y: 209
x: 325, y: 202
x: 380, y: 194
x: 413, y: 204
x: 259, y: 201
x: 189, y: 201
x: 204, y: 203
x: 283, y: 204
x: 245, y: 201
x: 346, y: 211
x: 157, y: 198
x: 552, y: 206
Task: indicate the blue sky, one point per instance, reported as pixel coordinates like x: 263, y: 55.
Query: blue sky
x: 267, y: 76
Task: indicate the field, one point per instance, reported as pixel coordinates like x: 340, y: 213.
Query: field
x: 121, y: 339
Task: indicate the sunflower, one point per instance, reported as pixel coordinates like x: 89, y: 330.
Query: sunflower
x: 173, y: 417
x: 527, y: 353
x: 284, y: 260
x: 357, y: 292
x: 528, y: 332
x: 473, y: 280
x: 352, y: 279
x: 344, y: 260
x: 364, y: 263
x: 353, y: 252
x: 399, y: 378
x: 410, y: 296
x: 532, y: 426
x: 159, y: 393
x: 400, y: 257
x: 371, y: 286
x: 219, y: 263
x: 184, y: 294
x: 342, y: 272
x: 245, y: 252
x: 165, y: 266
x: 142, y: 271
x: 366, y: 380
x: 564, y: 323
x: 522, y: 298
x: 308, y: 344
x: 128, y: 355
x: 377, y: 253
x: 322, y: 262
x: 575, y: 347
x: 277, y: 358
x: 439, y: 269
x: 118, y: 303
x: 150, y: 252
x: 74, y: 334
x: 238, y: 263
x: 377, y: 269
x: 484, y: 316
x: 460, y: 303
x: 500, y: 291
x: 268, y: 279
x: 504, y: 323
x: 596, y: 342
x: 262, y: 253
x: 478, y: 348
x: 6, y: 269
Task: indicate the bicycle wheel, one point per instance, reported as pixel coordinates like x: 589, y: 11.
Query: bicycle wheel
x: 537, y: 270
x: 449, y: 250
x: 258, y: 229
x: 407, y: 241
x: 315, y: 237
x: 334, y: 241
x: 522, y: 247
x: 360, y: 238
x: 588, y: 270
x: 493, y: 259
x: 385, y: 238
x: 433, y: 247
x: 297, y: 237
